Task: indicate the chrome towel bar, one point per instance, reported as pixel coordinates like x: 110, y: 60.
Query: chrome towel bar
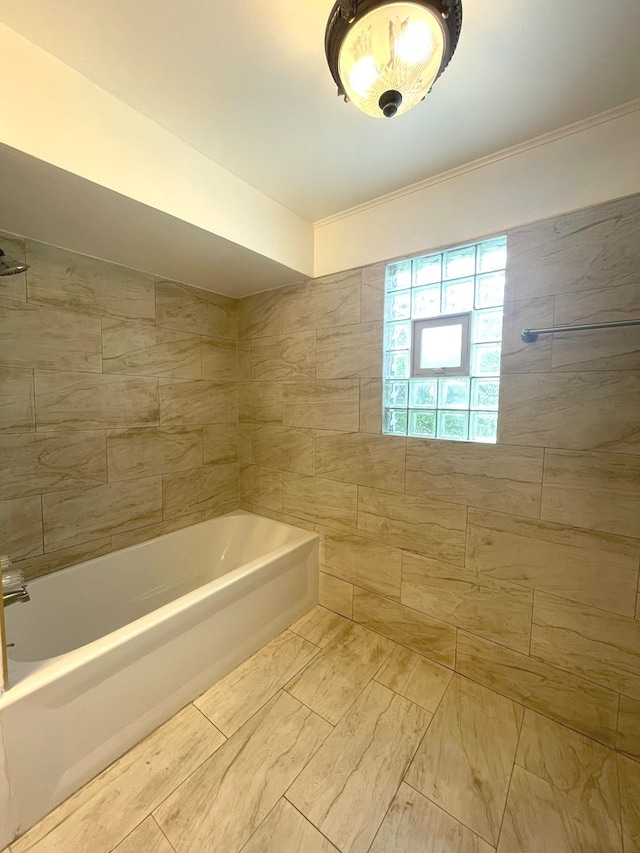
x: 531, y: 335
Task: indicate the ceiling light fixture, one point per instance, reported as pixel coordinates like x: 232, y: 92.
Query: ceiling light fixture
x: 385, y: 56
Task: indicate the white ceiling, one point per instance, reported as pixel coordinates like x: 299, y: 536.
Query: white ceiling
x: 246, y: 83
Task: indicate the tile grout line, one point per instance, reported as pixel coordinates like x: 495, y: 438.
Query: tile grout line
x: 513, y: 765
x: 151, y: 817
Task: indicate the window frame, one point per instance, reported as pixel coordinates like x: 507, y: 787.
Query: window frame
x: 420, y: 324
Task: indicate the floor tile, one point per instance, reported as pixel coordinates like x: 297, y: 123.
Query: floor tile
x: 630, y: 799
x: 332, y: 682
x: 227, y: 798
x: 541, y: 819
x: 347, y: 787
x: 319, y: 626
x: 286, y: 831
x: 420, y: 680
x: 235, y: 698
x: 146, y: 838
x: 572, y: 763
x: 416, y: 825
x: 465, y: 761
x: 106, y: 810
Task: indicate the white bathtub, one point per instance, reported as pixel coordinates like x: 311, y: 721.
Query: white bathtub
x: 108, y: 650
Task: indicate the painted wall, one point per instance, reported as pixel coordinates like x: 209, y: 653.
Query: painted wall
x: 119, y: 407
x: 516, y: 564
x: 588, y: 163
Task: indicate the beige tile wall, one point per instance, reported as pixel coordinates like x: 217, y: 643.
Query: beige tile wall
x: 118, y: 407
x: 518, y: 563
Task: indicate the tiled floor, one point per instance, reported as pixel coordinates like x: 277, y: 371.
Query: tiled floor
x: 333, y: 738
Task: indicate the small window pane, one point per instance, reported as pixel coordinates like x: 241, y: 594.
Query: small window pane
x: 427, y: 270
x: 457, y: 296
x: 490, y: 290
x: 398, y: 276
x: 424, y: 393
x: 395, y: 421
x: 453, y: 425
x: 441, y: 346
x: 487, y: 326
x: 397, y: 306
x: 398, y: 336
x: 426, y: 301
x: 460, y: 262
x: 492, y: 255
x: 485, y: 393
x: 485, y: 360
x: 396, y: 393
x: 396, y: 365
x: 454, y: 393
x: 484, y: 427
x: 422, y: 424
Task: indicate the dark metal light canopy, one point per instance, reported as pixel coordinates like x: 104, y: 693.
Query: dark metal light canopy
x: 385, y: 55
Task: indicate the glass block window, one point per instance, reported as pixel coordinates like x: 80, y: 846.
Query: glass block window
x: 442, y: 342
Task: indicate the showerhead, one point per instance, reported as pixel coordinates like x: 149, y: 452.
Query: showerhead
x: 10, y: 267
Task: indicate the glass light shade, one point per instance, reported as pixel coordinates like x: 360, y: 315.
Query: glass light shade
x: 395, y: 47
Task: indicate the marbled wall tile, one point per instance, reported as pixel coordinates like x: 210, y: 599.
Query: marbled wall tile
x: 415, y: 677
x: 280, y: 357
x: 372, y: 299
x: 286, y: 448
x: 573, y: 411
x: 13, y: 288
x: 364, y: 759
x: 244, y: 361
x: 152, y: 531
x: 191, y: 309
x: 31, y: 336
x: 600, y: 491
x: 371, y: 406
x: 415, y: 823
x: 17, y: 408
x: 198, y: 402
x: 261, y: 402
x: 571, y: 762
x: 83, y: 515
x: 50, y: 462
x: 592, y: 643
x: 517, y: 356
x: 336, y: 595
x: 488, y: 476
x: 423, y: 634
x: 629, y: 774
x: 362, y: 561
x: 319, y: 626
x: 367, y: 460
x: 245, y: 442
x: 136, y: 453
x: 628, y: 739
x: 590, y: 249
x: 246, y: 474
x: 320, y: 501
x: 282, y: 517
x: 417, y: 524
x: 260, y: 314
x: 44, y: 564
x: 86, y: 401
x: 219, y: 360
x: 78, y: 283
x: 329, y: 404
x: 614, y: 349
x: 577, y: 703
x: 464, y: 762
x: 330, y: 301
x: 213, y: 489
x: 267, y: 488
x: 220, y: 444
x: 21, y: 527
x: 226, y: 799
x: 145, y: 350
x: 350, y: 351
x: 593, y: 568
x: 496, y: 610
